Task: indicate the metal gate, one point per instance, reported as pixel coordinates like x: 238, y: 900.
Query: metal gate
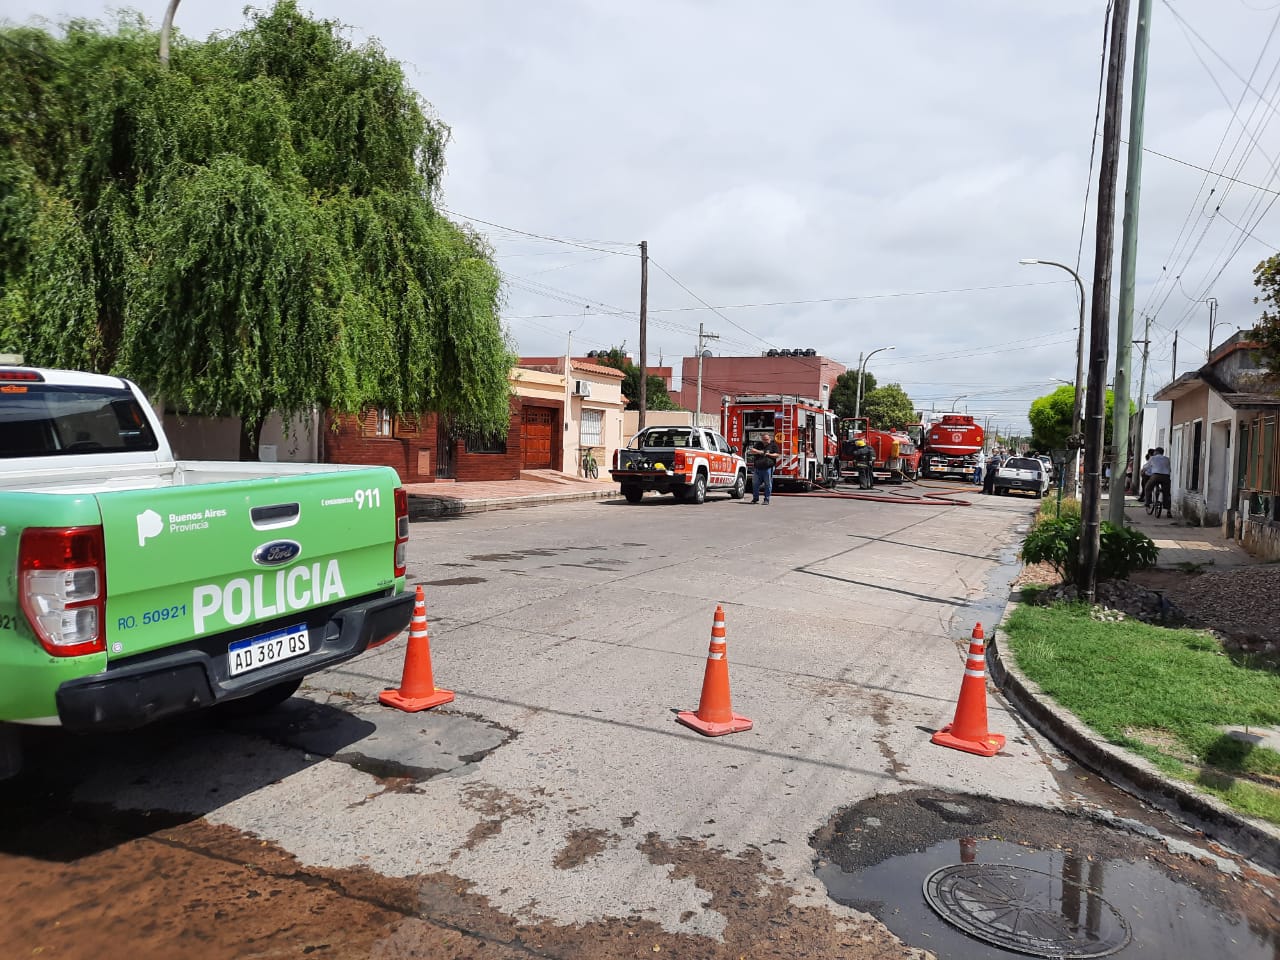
x: 445, y: 450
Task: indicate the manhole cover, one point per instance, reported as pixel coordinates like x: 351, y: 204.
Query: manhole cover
x: 1026, y: 910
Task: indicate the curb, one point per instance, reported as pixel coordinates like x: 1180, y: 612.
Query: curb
x: 426, y: 507
x: 1256, y: 840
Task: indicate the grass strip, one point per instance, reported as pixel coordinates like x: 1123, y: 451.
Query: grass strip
x: 1162, y: 693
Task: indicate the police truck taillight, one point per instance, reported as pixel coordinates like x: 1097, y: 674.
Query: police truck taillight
x: 402, y: 529
x: 62, y: 587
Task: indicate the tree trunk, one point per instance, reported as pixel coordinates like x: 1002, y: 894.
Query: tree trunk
x: 251, y: 436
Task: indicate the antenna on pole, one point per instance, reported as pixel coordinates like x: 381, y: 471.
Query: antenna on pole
x: 703, y: 336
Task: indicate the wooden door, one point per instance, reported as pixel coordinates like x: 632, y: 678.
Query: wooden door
x: 536, y: 435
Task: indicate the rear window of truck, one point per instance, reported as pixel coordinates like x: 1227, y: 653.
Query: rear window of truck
x: 43, y: 419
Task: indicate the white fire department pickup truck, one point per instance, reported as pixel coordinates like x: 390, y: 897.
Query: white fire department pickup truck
x: 683, y: 461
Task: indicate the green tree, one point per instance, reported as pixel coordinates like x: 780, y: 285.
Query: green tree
x: 250, y: 230
x: 844, y: 394
x: 656, y: 395
x: 888, y: 407
x: 1050, y: 418
x: 1266, y: 277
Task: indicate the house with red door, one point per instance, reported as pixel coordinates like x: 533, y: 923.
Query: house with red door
x: 557, y: 414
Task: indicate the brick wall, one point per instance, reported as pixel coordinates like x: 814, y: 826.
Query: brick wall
x: 346, y: 441
x: 349, y: 439
x: 491, y: 466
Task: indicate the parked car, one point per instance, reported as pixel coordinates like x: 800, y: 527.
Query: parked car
x: 1048, y: 465
x: 1026, y: 474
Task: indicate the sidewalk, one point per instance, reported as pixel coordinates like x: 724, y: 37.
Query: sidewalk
x: 1182, y: 544
x: 449, y: 498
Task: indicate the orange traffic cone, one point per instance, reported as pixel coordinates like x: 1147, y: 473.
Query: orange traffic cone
x: 715, y: 716
x: 968, y: 731
x: 418, y: 690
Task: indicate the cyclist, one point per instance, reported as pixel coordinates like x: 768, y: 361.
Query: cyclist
x: 1159, y: 474
x: 1145, y: 474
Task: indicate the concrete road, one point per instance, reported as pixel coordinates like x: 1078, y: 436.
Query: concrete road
x: 557, y: 792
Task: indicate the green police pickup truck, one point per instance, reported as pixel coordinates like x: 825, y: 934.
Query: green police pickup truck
x: 134, y: 586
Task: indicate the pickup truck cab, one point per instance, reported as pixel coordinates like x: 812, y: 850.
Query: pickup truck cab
x: 135, y: 586
x: 684, y: 461
x: 1027, y: 474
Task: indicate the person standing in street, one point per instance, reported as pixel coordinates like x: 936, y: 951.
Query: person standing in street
x: 978, y: 465
x: 864, y: 458
x: 989, y: 473
x: 764, y: 457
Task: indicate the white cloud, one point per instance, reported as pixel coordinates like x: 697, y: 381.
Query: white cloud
x: 821, y: 150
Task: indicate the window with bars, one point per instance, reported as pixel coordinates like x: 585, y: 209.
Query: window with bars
x: 591, y: 429
x: 1264, y: 456
x: 478, y: 442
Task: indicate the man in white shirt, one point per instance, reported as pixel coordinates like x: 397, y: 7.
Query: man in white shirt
x: 1157, y: 469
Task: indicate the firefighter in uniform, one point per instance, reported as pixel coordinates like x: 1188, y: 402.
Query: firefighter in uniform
x: 864, y: 459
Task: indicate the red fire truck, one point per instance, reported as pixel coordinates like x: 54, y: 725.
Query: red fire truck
x: 803, y: 429
x: 888, y: 462
x: 909, y: 439
x: 951, y: 446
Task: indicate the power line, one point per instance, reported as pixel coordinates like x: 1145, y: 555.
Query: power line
x: 539, y: 236
x: 1093, y: 149
x: 848, y: 299
x: 1216, y: 173
x: 1178, y: 246
x: 707, y: 305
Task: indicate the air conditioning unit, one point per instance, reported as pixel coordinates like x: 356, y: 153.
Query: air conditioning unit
x: 581, y: 388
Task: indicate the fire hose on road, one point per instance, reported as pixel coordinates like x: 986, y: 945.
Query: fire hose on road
x: 928, y: 500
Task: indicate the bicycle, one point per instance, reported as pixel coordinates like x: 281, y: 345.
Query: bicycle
x: 1157, y: 498
x: 590, y: 469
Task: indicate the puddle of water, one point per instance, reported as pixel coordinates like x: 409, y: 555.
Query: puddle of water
x: 1166, y: 918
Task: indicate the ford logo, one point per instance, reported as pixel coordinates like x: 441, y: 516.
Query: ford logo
x: 276, y: 553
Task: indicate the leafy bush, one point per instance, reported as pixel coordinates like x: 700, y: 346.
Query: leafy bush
x: 1049, y: 508
x: 1121, y: 550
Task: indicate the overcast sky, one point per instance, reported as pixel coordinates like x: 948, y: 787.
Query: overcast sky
x: 837, y: 175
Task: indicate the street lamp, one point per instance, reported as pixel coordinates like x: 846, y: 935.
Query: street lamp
x: 1076, y: 428
x: 862, y: 367
x: 957, y: 400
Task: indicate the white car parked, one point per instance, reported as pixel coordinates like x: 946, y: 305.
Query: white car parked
x: 1026, y: 474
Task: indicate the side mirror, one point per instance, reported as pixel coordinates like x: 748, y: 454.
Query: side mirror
x: 733, y: 449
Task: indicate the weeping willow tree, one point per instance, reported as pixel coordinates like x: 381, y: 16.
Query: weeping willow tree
x: 250, y: 229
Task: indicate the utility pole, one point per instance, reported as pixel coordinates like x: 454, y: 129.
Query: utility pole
x: 1128, y: 259
x: 1213, y: 312
x: 644, y: 331
x: 1099, y: 329
x: 166, y: 28
x: 703, y: 336
x: 857, y: 403
x: 1142, y: 392
x: 568, y: 397
x: 1175, y: 357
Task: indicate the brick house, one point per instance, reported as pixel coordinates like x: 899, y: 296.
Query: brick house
x: 800, y: 373
x: 423, y: 449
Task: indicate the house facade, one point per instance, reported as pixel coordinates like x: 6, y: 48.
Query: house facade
x: 1222, y: 447
x: 554, y: 417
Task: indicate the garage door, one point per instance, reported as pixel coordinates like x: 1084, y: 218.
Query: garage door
x: 535, y: 437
